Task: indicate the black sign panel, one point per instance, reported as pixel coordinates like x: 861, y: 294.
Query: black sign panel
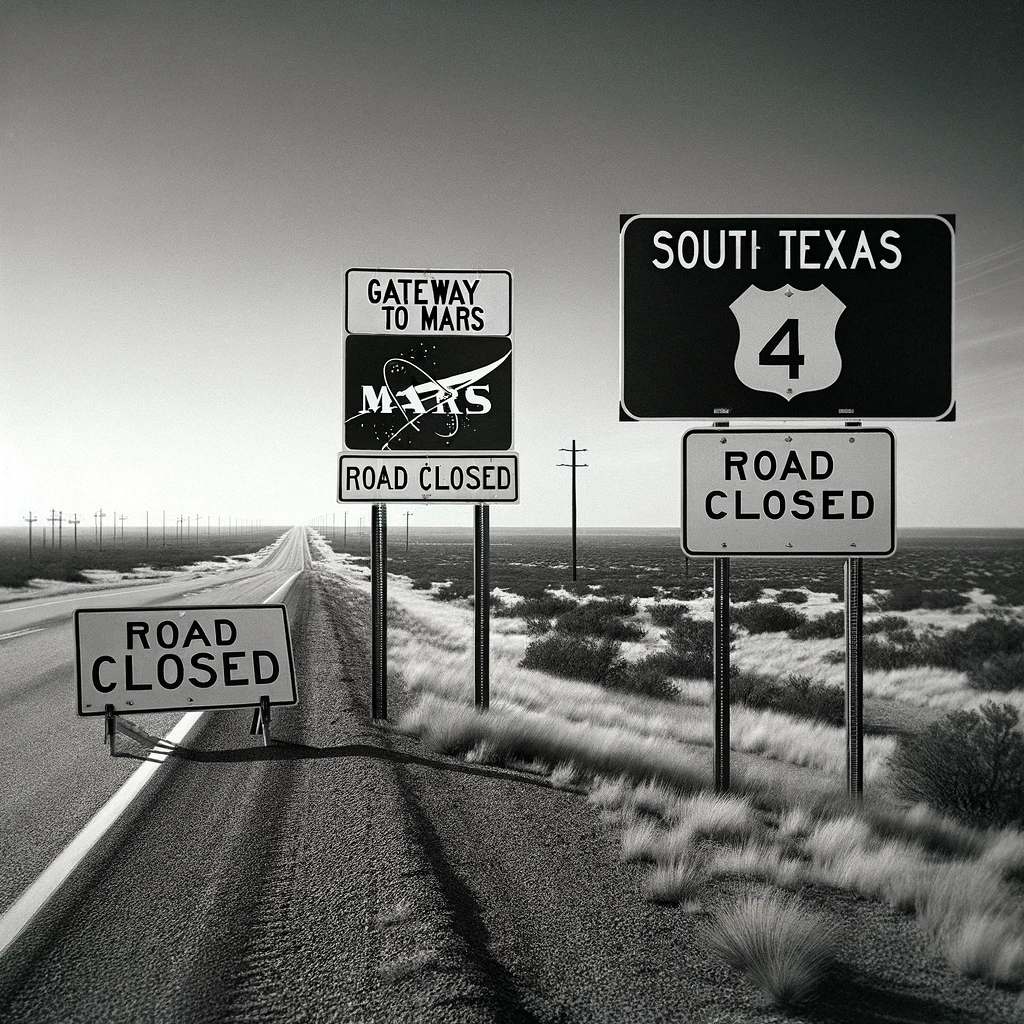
x: 428, y: 393
x: 787, y: 317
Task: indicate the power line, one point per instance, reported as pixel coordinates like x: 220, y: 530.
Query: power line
x: 574, y: 465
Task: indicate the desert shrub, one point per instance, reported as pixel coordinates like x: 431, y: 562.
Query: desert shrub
x: 542, y: 605
x: 877, y: 655
x: 791, y: 597
x: 1004, y: 672
x: 648, y: 677
x: 667, y: 614
x: 766, y: 617
x: 690, y: 648
x: 906, y: 596
x: 969, y: 765
x: 830, y: 626
x: 421, y: 584
x: 887, y: 624
x: 796, y: 695
x: 576, y: 657
x: 782, y: 948
x: 969, y: 648
x: 454, y: 591
x: 598, y: 618
x: 744, y: 590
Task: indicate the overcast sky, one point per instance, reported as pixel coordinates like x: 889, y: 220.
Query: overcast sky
x: 183, y: 185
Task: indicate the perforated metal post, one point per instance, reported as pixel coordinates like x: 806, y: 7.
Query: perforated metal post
x: 720, y: 699
x: 482, y: 603
x: 854, y: 587
x: 379, y: 612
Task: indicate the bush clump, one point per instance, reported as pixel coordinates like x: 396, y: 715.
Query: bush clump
x: 575, y: 657
x: 796, y: 695
x: 667, y: 615
x: 791, y: 597
x: 690, y: 649
x: 830, y: 626
x: 904, y: 597
x: 783, y: 949
x: 767, y: 617
x: 1004, y: 672
x: 600, y: 618
x: 969, y: 765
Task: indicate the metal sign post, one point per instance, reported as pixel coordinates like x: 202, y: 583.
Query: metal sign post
x: 720, y: 699
x: 378, y: 612
x: 854, y: 595
x: 482, y: 604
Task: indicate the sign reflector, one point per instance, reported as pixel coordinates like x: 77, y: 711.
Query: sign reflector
x: 789, y: 492
x: 182, y: 658
x: 429, y: 477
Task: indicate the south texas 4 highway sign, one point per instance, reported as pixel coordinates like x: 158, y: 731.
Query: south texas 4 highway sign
x: 786, y: 317
x: 790, y: 493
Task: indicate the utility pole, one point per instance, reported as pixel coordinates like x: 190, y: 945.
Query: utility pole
x: 407, y: 514
x: 123, y: 518
x: 574, y: 465
x: 100, y: 516
x: 75, y: 523
x: 30, y: 519
x: 60, y: 529
x: 53, y: 527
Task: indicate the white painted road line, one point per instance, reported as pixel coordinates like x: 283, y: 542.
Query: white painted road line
x: 36, y: 896
x: 20, y: 632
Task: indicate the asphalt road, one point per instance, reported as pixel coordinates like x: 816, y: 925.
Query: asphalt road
x: 345, y: 873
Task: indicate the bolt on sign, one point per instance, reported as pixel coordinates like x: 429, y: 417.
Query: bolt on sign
x: 469, y: 479
x: 428, y: 360
x: 787, y: 317
x: 790, y: 493
x: 182, y: 658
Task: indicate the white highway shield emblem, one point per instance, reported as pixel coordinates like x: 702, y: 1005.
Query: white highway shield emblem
x: 788, y: 339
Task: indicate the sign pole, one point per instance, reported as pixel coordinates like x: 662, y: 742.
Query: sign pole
x: 854, y: 588
x: 482, y: 603
x: 378, y: 612
x: 720, y: 700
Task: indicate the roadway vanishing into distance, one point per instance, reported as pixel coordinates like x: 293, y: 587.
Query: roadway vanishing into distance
x: 345, y: 872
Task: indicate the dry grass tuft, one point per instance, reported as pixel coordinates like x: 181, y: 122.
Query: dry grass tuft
x: 782, y: 948
x: 677, y: 879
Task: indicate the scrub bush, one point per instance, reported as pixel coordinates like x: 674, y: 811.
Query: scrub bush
x: 575, y: 657
x: 906, y: 596
x: 690, y: 644
x: 796, y: 695
x: 783, y: 949
x: 791, y: 597
x: 667, y: 614
x: 766, y: 617
x: 599, y: 618
x: 830, y: 626
x: 968, y: 765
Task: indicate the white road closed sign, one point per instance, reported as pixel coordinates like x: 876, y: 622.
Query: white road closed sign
x: 450, y: 302
x: 789, y: 492
x: 429, y: 477
x: 182, y: 658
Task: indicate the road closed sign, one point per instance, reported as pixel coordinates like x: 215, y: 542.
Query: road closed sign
x: 791, y: 493
x: 466, y: 479
x: 182, y: 658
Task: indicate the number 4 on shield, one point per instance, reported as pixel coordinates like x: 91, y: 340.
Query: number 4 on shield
x: 801, y: 354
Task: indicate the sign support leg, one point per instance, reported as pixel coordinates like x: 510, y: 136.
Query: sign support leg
x: 720, y: 698
x: 482, y: 603
x: 261, y: 721
x: 379, y: 612
x: 854, y: 677
x: 110, y: 727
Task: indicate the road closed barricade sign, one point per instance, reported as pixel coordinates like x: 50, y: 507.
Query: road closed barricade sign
x: 182, y: 658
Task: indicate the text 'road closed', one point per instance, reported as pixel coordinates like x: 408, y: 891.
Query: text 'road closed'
x: 828, y: 492
x: 429, y: 478
x: 156, y: 659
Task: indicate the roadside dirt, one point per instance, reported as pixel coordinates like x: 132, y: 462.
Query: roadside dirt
x: 492, y: 896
